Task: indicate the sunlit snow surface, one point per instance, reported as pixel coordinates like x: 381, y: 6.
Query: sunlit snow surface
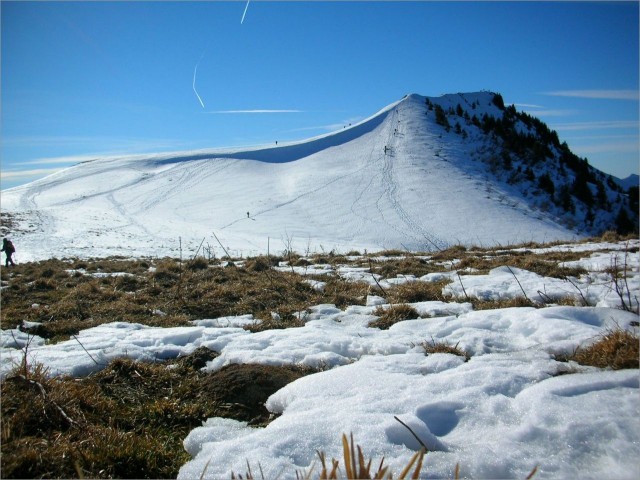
x: 510, y: 408
x: 394, y: 180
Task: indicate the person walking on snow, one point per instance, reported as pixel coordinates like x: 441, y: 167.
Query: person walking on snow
x: 8, y: 249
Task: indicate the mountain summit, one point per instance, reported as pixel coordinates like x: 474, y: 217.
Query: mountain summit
x: 423, y: 173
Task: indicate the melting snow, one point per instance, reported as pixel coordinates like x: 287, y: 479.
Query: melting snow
x: 511, y: 407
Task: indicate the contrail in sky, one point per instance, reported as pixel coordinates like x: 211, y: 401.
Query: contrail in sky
x: 245, y: 11
x: 258, y: 111
x: 195, y: 71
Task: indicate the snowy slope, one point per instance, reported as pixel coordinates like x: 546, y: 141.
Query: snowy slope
x: 339, y: 191
x: 630, y: 181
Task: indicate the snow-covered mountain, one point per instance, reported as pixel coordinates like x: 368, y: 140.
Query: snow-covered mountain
x: 628, y: 182
x: 421, y: 174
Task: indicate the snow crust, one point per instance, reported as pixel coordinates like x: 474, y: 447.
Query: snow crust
x: 511, y: 407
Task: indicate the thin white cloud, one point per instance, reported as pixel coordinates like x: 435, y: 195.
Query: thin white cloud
x: 552, y: 113
x: 618, y: 147
x: 257, y: 111
x: 62, y: 161
x: 620, y: 124
x: 115, y: 144
x: 50, y: 141
x: 331, y: 126
x: 584, y: 138
x: 527, y: 105
x: 27, y: 174
x: 597, y: 94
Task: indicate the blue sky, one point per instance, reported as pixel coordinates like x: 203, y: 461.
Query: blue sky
x: 86, y: 79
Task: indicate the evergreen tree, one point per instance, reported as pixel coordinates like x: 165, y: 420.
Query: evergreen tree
x: 441, y: 117
x: 565, y: 200
x: 582, y: 191
x: 603, y: 201
x: 623, y: 224
x: 498, y: 101
x: 546, y: 184
x: 506, y: 160
x: 528, y: 173
x: 633, y: 198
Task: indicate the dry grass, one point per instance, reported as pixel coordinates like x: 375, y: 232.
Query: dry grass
x: 452, y: 253
x: 388, y: 316
x: 170, y: 294
x: 68, y: 302
x: 616, y: 349
x: 433, y: 346
x: 412, y: 292
x: 407, y: 265
x: 80, y: 429
x: 127, y: 421
x: 502, y: 303
x: 354, y: 464
x: 357, y: 467
x: 546, y: 264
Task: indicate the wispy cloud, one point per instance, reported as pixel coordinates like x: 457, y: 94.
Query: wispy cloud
x: 257, y: 111
x: 613, y: 124
x: 50, y: 141
x: 330, y: 127
x: 617, y: 147
x: 527, y: 105
x: 551, y: 112
x: 543, y: 111
x: 597, y: 94
x: 99, y: 144
x: 26, y: 174
x: 633, y: 137
x: 62, y: 161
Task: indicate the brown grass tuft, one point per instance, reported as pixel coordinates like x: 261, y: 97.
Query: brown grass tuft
x: 616, y: 349
x: 127, y: 421
x: 170, y: 294
x: 393, y: 314
x: 198, y: 263
x: 443, y: 347
x: 259, y: 264
x: 356, y: 467
x: 504, y: 303
x: 412, y: 292
x: 407, y: 265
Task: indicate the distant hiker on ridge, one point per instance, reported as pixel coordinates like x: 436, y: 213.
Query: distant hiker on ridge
x: 8, y: 249
x: 248, y: 215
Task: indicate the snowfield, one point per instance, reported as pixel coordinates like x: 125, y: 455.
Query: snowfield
x: 395, y: 180
x: 511, y: 407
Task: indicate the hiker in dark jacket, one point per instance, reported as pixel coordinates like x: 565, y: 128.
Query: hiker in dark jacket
x: 8, y: 249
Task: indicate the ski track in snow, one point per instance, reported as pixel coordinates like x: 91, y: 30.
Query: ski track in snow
x: 339, y: 189
x: 293, y: 200
x: 413, y: 225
